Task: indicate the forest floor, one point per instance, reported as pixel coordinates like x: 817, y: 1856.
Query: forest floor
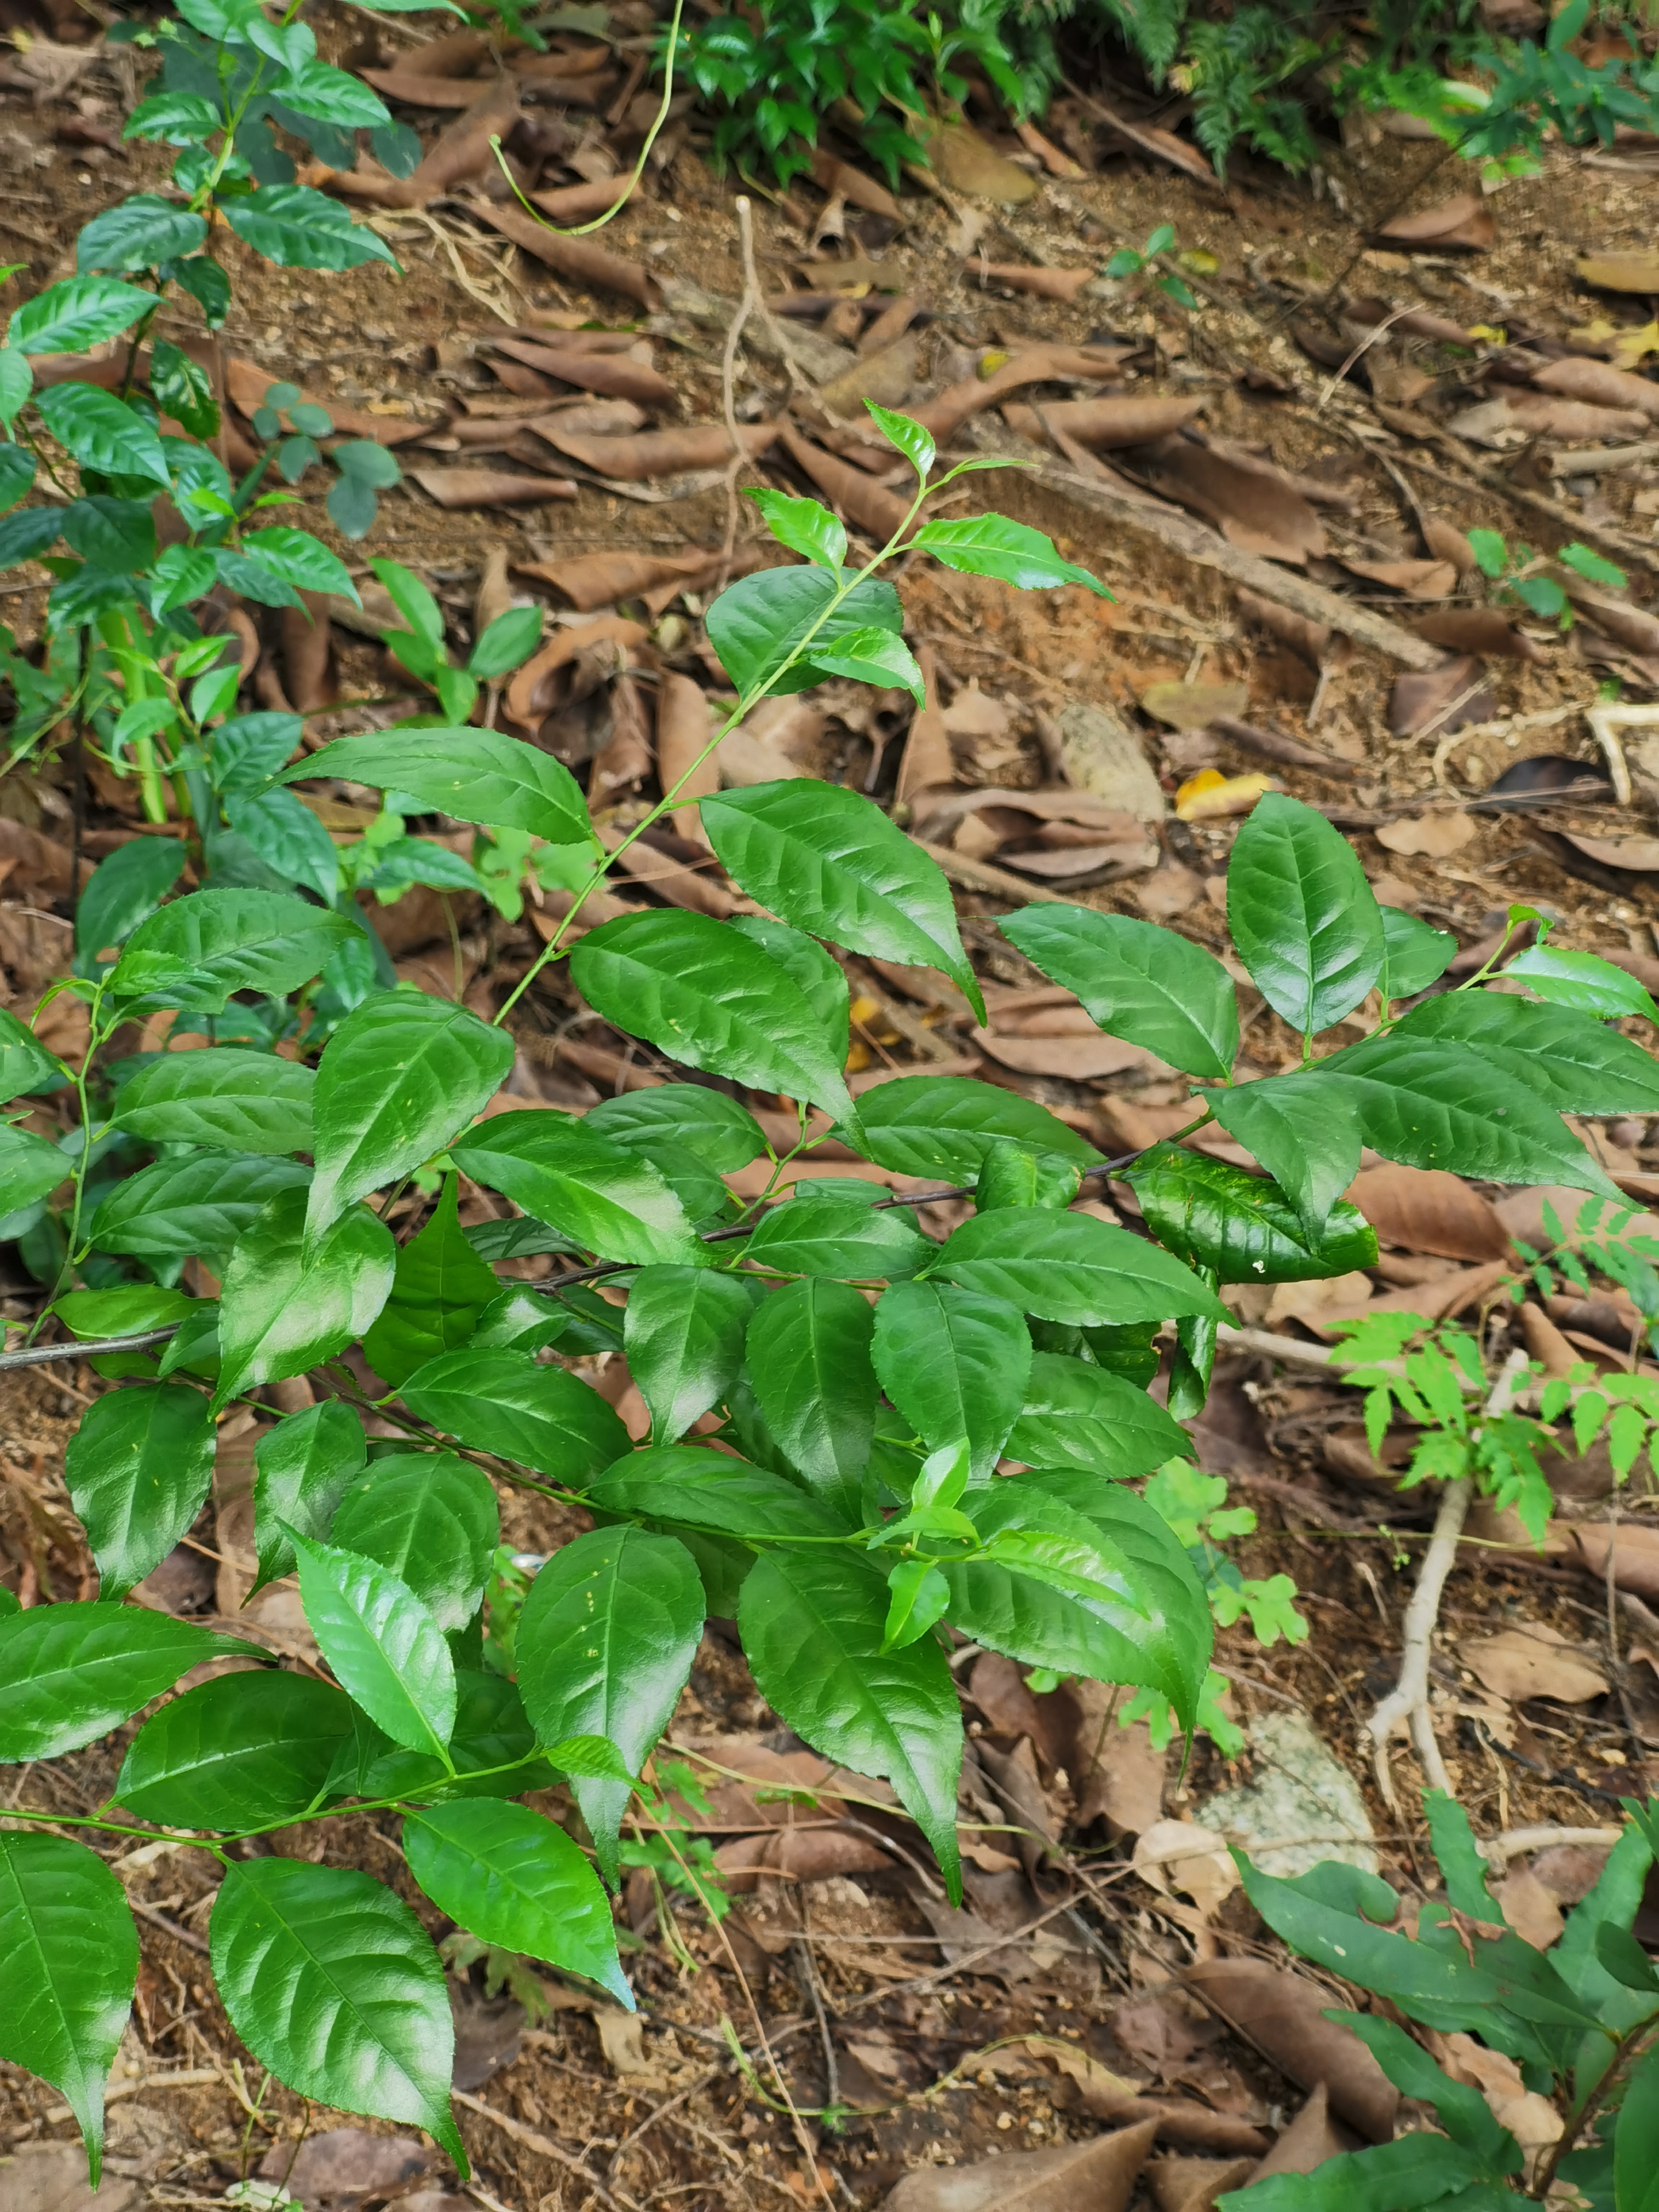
x: 1274, y: 494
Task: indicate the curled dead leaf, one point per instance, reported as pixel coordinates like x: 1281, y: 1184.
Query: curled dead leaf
x: 1039, y: 364
x: 1019, y: 276
x: 1100, y: 2173
x: 1181, y: 1855
x: 1480, y: 630
x: 588, y: 580
x: 865, y: 503
x: 453, y: 488
x: 1600, y: 383
x: 1191, y: 706
x: 1252, y: 506
x: 1463, y: 223
x: 1283, y: 2013
x: 574, y: 258
x: 1428, y: 1210
x: 1535, y: 1661
x: 1311, y: 640
x: 1435, y: 837
x: 1209, y: 796
x: 1417, y: 580
x: 1635, y: 1554
x: 1621, y: 272
x: 684, y: 726
x: 656, y: 453
x: 1439, y: 700
x: 614, y: 376
x: 1102, y: 425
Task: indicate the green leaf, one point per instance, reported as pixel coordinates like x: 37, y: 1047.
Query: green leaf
x: 604, y: 1647
x: 25, y: 1063
x: 299, y: 228
x: 199, y: 950
x: 301, y: 560
x: 873, y: 656
x: 16, y: 474
x: 399, y: 1078
x: 245, y: 752
x: 245, y: 1751
x: 693, y: 1486
x: 1078, y: 1415
x: 1304, y: 920
x: 433, y: 1520
x: 839, y: 1237
x: 504, y: 1402
x: 439, y: 1288
x: 330, y: 95
x: 1240, y: 1227
x: 386, y: 1648
x: 123, y: 1312
x: 71, y: 1953
x: 1636, y: 2148
x: 829, y: 861
x: 1137, y: 981
x: 1071, y: 1268
x: 77, y: 315
x: 813, y: 1625
x: 123, y: 890
x: 945, y: 1125
x: 17, y: 382
x: 1581, y: 980
x: 607, y: 1197
x: 1304, y: 1131
x: 118, y: 535
x: 912, y: 438
x: 30, y: 1168
x: 805, y: 526
x: 1013, y: 1175
x: 711, y: 1125
x: 137, y: 234
x: 303, y: 1467
x: 68, y: 1674
x: 1464, y: 2112
x: 245, y: 1102
x: 955, y: 1363
x: 683, y: 1334
x: 505, y: 644
x: 288, y: 837
x: 991, y: 545
x: 283, y: 1309
x: 758, y: 622
x: 1573, y: 1060
x: 1414, y: 955
x: 1433, y: 1104
x: 331, y: 1982
x: 473, y: 775
x: 712, y: 999
x: 1406, y: 2175
x: 920, y: 1596
x: 808, y: 1362
x: 178, y: 118
x: 510, y: 1878
x: 137, y: 1470
x: 101, y: 432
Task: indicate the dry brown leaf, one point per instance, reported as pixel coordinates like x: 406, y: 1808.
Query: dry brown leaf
x: 1447, y: 543
x: 1193, y: 2184
x: 1037, y: 364
x: 835, y: 177
x: 52, y: 2176
x: 1102, y: 425
x: 1428, y: 1210
x: 1417, y: 580
x: 418, y: 87
x: 1116, y: 1776
x: 589, y: 580
x: 1311, y: 640
x: 1311, y: 2137
x: 1066, y: 862
x: 800, y: 1854
x: 1601, y: 384
x: 1077, y: 1059
x: 567, y: 204
x: 1439, y: 699
x: 1181, y: 1855
x: 1283, y: 2013
x: 622, y: 2038
x: 1640, y: 855
x: 614, y: 376
x: 1099, y: 2174
x: 885, y: 375
x: 1536, y: 1661
x: 534, y: 691
x: 1480, y: 630
x: 1191, y: 706
x: 1621, y: 272
x: 865, y: 503
x: 1632, y: 626
x: 307, y: 641
x: 574, y: 258
x: 1254, y: 508
x: 1635, y: 1554
x: 1435, y: 837
x: 969, y: 163
x: 344, y: 2164
x: 684, y: 726
x: 657, y: 453
x: 1020, y: 277
x: 453, y: 488
x: 1529, y: 1907
x: 1463, y: 223
x: 494, y: 594
x: 1516, y: 414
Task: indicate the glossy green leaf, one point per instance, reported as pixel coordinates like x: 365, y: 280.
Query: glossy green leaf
x: 873, y: 656
x: 298, y: 228
x: 1636, y: 2152
x: 505, y: 1402
x: 1414, y: 955
x: 25, y: 1063
x: 1076, y: 1414
x: 68, y: 1674
x: 944, y: 1125
x: 1071, y: 1268
x: 1576, y: 1063
x: 399, y: 1078
x: 955, y: 1363
x: 137, y: 1470
x: 238, y: 1101
x: 506, y: 643
x: 493, y: 1746
x: 829, y: 861
x: 683, y: 1334
x: 1013, y: 1175
x: 712, y: 999
x: 287, y: 838
x: 281, y: 1311
x: 301, y: 1467
x: 912, y: 438
x: 1305, y: 1131
x: 805, y: 526
x: 1409, y: 2174
x: 839, y: 1237
x: 1582, y: 981
x: 510, y: 1877
x: 245, y: 1751
x: 715, y: 1127
x: 1463, y: 2111
x: 72, y: 1955
x: 199, y: 950
x: 474, y: 776
x: 605, y: 1645
x: 122, y: 890
x: 81, y: 313
x: 808, y: 1364
x: 604, y: 1196
x: 1241, y: 1227
x: 1137, y: 981
x: 386, y: 1648
x: 137, y: 232
x: 700, y: 1488
x: 812, y: 1623
x: 30, y: 1168
x: 439, y: 1290
x: 1014, y: 553
x: 918, y: 1596
x: 758, y: 622
x: 1304, y: 920
x: 333, y: 1985
x: 123, y: 1312
x: 102, y: 433
x: 433, y: 1520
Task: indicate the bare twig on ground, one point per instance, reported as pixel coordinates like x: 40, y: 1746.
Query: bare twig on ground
x: 546, y: 2148
x: 751, y: 304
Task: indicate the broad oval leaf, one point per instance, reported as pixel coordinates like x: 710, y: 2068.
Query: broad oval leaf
x: 955, y: 1363
x: 714, y: 1127
x: 298, y: 228
x: 698, y: 1488
x: 283, y: 1309
x: 510, y: 1877
x: 68, y: 1674
x: 1413, y: 954
x: 1575, y: 1061
x: 137, y: 1470
x: 139, y: 233
x: 1305, y: 921
x: 135, y: 878
x: 1071, y: 1268
x: 30, y: 1168
x: 241, y: 1102
x: 812, y: 1624
x: 1014, y: 553
x: 712, y: 999
x: 1241, y: 1227
x: 331, y: 1982
x: 439, y: 1288
x: 1077, y: 1414
x: 829, y: 861
x: 945, y: 1125
x: 1304, y: 1131
x: 809, y: 1364
x: 493, y: 1750
x: 199, y: 950
x: 301, y: 1468
x: 502, y: 1401
x: 433, y: 1520
x: 473, y: 775
x: 876, y: 656
x: 199, y: 1205
x: 399, y: 1078
x: 683, y: 1330
x: 605, y: 1646
x: 245, y: 1751
x: 1139, y: 982
x: 26, y: 1065
x: 606, y: 1197
x: 1635, y: 2150
x: 77, y: 314
x: 71, y: 1953
x: 382, y: 1644
x: 102, y: 433
x: 756, y: 624
x: 838, y: 1237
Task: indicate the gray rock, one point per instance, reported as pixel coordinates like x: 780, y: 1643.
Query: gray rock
x: 1100, y: 754
x: 1301, y: 1788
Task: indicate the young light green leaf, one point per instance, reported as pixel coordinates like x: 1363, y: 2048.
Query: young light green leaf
x: 510, y: 1878
x: 609, y: 1198
x: 1014, y: 553
x: 945, y: 1125
x: 433, y: 1520
x: 829, y: 861
x: 386, y: 1648
x: 1305, y: 919
x: 246, y: 1751
x: 439, y: 1288
x: 236, y: 1101
x: 475, y: 775
x: 71, y: 1953
x: 301, y: 1467
x: 199, y: 950
x: 505, y: 1402
x: 805, y: 526
x: 1077, y: 1414
x: 68, y: 1674
x: 839, y: 1237
x: 1582, y: 981
x: 809, y: 1363
x: 873, y: 656
x: 332, y: 1983
x: 1071, y: 1268
x: 506, y: 643
x: 605, y: 1646
x: 283, y: 1309
x: 758, y: 622
x: 955, y: 1363
x: 1138, y: 982
x: 919, y: 1596
x: 30, y: 1168
x: 137, y: 1470
x: 26, y: 1065
x: 912, y: 438
x: 683, y: 1334
x: 812, y: 1624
